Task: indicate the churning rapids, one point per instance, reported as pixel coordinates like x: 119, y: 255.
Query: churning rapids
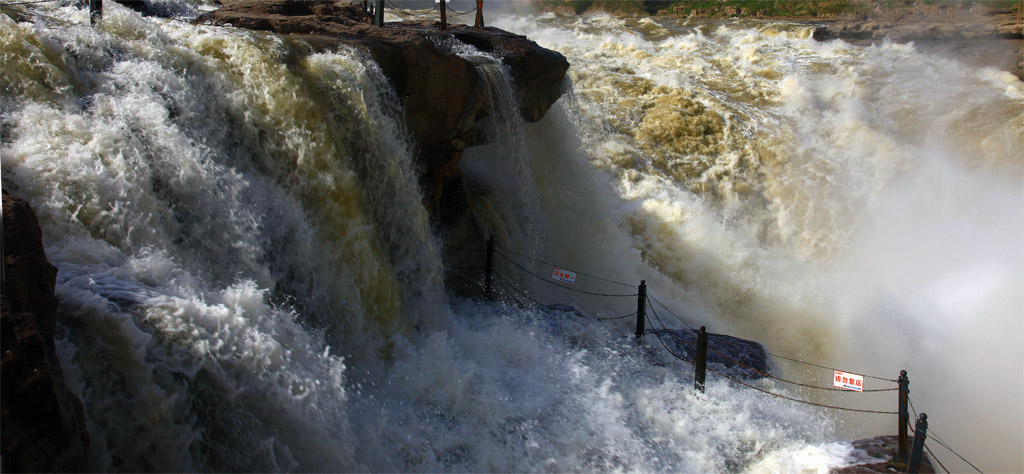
x: 248, y: 281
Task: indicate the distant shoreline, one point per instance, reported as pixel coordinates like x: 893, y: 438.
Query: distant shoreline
x: 979, y: 33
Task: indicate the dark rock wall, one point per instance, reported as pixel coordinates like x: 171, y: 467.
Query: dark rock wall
x: 42, y: 424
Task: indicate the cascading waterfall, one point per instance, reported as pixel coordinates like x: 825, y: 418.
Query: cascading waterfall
x: 854, y: 205
x: 248, y: 281
x: 501, y: 165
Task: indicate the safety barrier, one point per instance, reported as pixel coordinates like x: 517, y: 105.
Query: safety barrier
x: 443, y: 7
x: 908, y: 456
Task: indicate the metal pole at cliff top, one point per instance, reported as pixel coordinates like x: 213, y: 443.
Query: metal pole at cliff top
x: 378, y: 19
x: 444, y: 16
x: 480, y: 14
x: 95, y: 11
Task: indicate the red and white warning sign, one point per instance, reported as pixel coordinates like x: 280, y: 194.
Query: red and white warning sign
x: 564, y: 276
x: 848, y: 381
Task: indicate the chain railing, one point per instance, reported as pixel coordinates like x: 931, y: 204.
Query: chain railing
x: 908, y: 457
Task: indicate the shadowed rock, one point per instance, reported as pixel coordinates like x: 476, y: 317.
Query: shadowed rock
x: 42, y: 422
x: 739, y: 358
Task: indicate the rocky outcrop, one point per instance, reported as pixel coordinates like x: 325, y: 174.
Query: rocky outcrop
x: 41, y: 421
x: 877, y: 455
x: 739, y: 358
x: 444, y: 98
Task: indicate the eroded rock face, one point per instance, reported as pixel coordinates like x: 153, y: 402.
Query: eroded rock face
x: 444, y: 98
x: 42, y: 424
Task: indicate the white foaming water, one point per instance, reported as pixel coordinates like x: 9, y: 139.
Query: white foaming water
x: 858, y: 207
x: 248, y: 282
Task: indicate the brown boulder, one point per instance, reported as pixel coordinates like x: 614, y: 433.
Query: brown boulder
x: 42, y: 424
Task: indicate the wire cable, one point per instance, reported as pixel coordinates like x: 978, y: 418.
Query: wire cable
x: 665, y: 328
x: 449, y: 7
x: 578, y: 273
x: 816, y: 387
x: 829, y: 368
x: 932, y: 455
x: 933, y: 435
x: 410, y: 12
x: 822, y: 405
x: 677, y: 356
x: 670, y: 311
x: 511, y: 285
x: 513, y: 262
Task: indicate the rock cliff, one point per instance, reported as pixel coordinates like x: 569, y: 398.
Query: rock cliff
x: 444, y: 98
x: 42, y: 422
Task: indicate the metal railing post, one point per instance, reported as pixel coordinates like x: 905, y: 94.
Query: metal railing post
x: 480, y: 14
x: 95, y: 11
x: 701, y: 364
x: 489, y: 268
x: 444, y: 15
x: 920, y: 433
x: 378, y: 18
x: 641, y: 309
x: 904, y: 417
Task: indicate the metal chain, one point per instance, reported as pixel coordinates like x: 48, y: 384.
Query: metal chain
x: 930, y: 453
x: 513, y: 262
x: 799, y: 400
x: 670, y: 311
x: 511, y: 285
x: 673, y: 336
x: 817, y: 387
x: 829, y: 368
x: 449, y: 7
x: 677, y: 356
x: 578, y: 273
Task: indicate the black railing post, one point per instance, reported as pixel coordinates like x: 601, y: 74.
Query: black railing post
x: 480, y: 14
x: 641, y: 309
x: 95, y: 11
x: 904, y: 415
x: 701, y: 364
x: 378, y: 18
x: 489, y: 268
x: 444, y: 15
x: 920, y: 433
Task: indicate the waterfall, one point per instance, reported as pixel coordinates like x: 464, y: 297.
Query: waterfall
x: 248, y: 280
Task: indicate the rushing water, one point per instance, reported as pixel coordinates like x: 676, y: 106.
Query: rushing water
x: 248, y: 281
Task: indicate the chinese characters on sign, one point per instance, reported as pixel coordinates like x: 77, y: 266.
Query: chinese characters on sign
x: 564, y: 276
x: 848, y: 381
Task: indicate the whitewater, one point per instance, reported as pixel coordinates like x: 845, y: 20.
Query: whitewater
x: 248, y: 280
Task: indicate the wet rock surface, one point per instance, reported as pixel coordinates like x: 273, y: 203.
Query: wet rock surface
x: 739, y: 358
x: 42, y: 422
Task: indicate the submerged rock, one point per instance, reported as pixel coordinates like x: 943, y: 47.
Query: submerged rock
x: 42, y: 422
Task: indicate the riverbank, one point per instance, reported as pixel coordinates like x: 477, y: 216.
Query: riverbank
x: 982, y: 34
